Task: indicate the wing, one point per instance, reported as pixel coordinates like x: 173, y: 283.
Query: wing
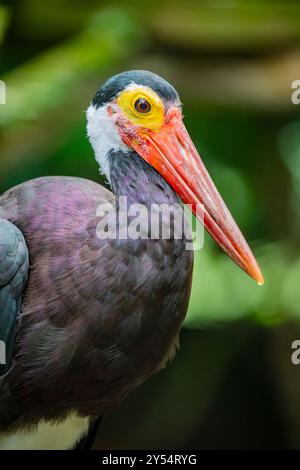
x: 14, y: 266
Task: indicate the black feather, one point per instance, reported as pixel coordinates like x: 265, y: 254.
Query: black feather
x: 14, y: 265
x: 119, y: 82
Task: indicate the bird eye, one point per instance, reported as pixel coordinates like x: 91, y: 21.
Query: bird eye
x: 142, y: 106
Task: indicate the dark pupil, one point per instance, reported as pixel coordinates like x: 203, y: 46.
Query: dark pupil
x: 142, y: 105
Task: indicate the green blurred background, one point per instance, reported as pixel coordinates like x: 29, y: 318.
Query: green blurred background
x: 232, y: 385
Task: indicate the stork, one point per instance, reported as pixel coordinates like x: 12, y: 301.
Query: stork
x: 86, y: 319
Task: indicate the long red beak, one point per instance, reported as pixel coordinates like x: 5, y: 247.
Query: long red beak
x: 172, y: 153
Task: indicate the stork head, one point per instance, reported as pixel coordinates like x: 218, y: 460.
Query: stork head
x: 140, y: 111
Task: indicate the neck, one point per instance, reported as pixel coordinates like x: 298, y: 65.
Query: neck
x: 149, y: 198
x: 134, y: 178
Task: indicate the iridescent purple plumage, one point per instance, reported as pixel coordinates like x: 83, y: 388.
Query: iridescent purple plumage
x: 98, y: 316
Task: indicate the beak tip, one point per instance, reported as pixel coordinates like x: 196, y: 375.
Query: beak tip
x: 258, y: 277
x: 252, y: 268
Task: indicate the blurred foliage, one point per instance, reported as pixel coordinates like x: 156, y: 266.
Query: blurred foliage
x: 3, y: 22
x: 42, y: 83
x: 233, y: 64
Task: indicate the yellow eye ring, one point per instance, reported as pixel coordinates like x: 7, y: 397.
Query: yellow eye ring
x: 143, y: 107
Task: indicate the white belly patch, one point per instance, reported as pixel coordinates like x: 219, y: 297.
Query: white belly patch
x: 48, y: 436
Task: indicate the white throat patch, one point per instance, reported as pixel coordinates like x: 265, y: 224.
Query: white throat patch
x: 103, y: 136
